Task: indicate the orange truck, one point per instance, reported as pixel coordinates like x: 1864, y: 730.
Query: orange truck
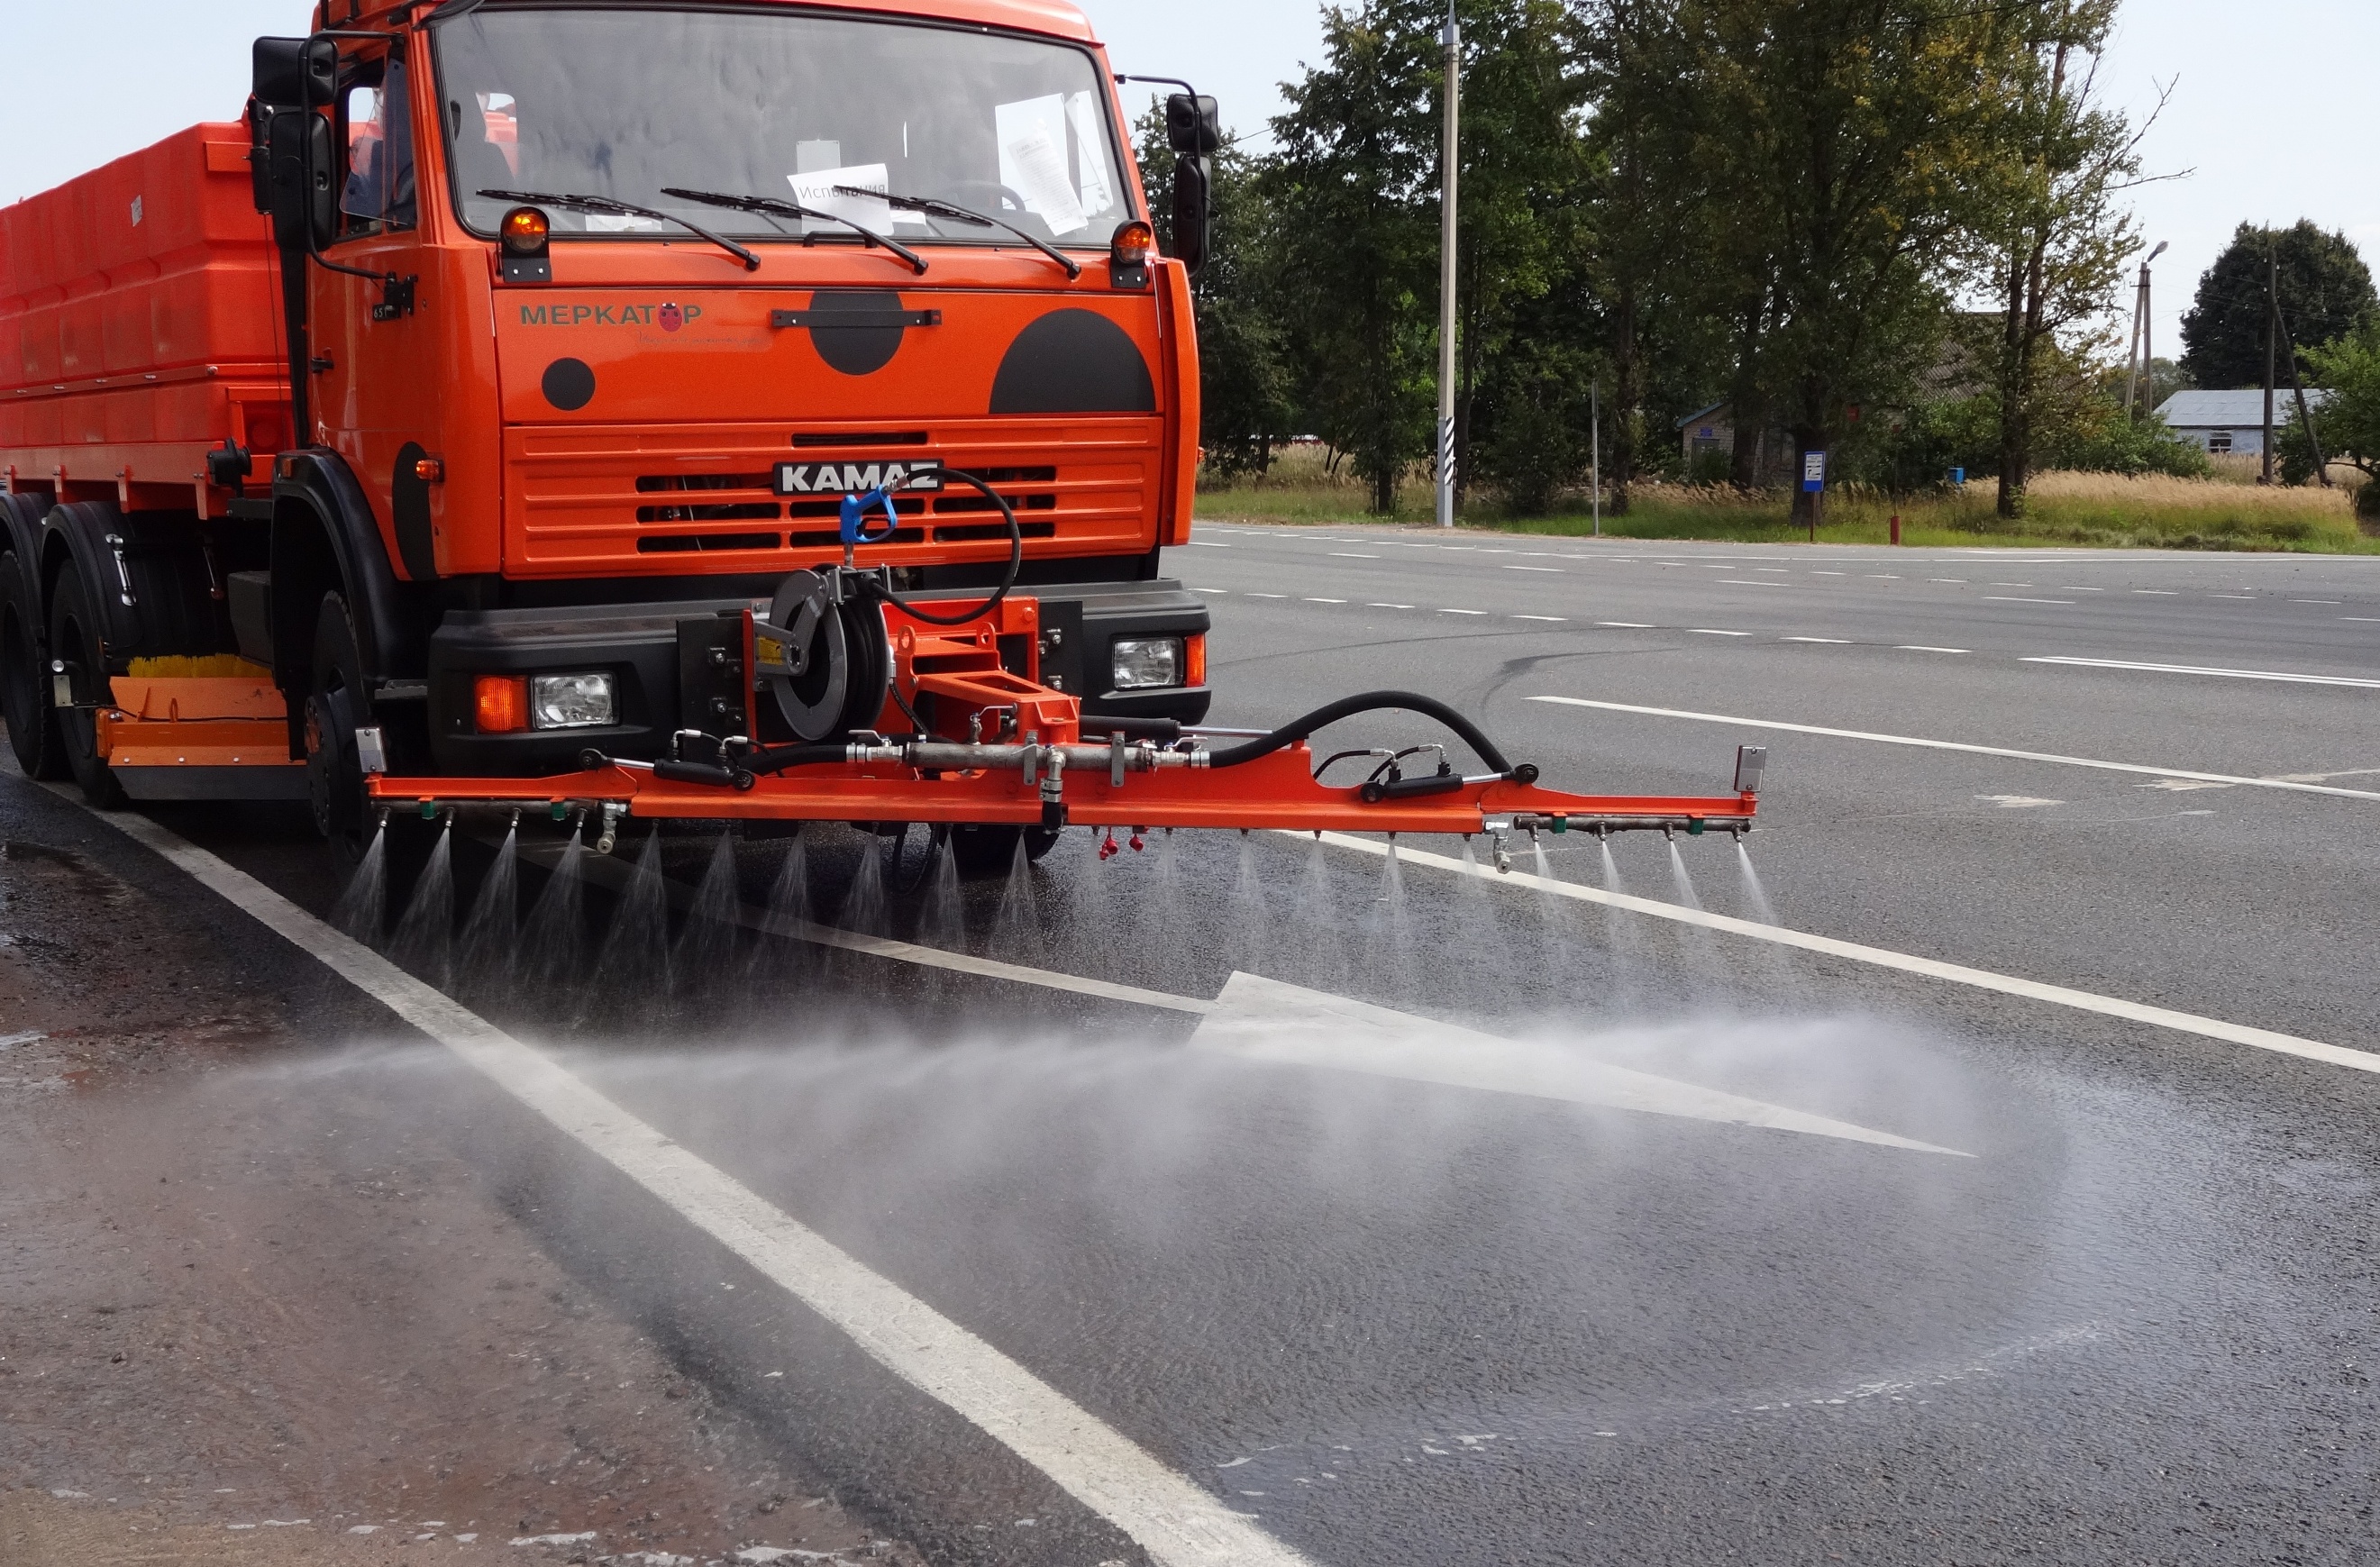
x: 305, y: 430
x: 650, y: 409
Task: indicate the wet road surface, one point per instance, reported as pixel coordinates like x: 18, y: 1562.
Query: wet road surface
x: 2117, y: 1306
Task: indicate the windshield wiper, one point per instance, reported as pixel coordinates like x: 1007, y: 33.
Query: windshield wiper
x: 936, y: 208
x: 770, y: 206
x: 607, y: 206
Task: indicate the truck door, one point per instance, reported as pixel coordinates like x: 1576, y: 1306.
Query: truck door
x: 380, y: 395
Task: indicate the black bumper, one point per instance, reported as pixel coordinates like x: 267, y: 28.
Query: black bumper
x: 660, y: 688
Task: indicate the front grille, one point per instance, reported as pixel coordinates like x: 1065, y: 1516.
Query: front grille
x: 687, y: 543
x: 740, y: 511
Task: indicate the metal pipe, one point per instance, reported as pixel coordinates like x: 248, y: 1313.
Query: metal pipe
x: 1446, y: 270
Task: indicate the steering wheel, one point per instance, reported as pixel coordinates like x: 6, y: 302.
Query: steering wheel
x: 1009, y: 200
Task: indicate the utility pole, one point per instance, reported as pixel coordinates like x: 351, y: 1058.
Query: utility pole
x: 1595, y: 448
x: 2272, y: 349
x: 1445, y: 273
x: 2141, y: 366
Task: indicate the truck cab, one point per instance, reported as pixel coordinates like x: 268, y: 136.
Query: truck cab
x: 606, y: 311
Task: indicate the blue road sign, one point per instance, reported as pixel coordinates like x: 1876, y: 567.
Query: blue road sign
x: 1814, y: 471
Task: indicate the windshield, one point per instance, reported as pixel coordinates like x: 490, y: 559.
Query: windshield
x: 622, y: 102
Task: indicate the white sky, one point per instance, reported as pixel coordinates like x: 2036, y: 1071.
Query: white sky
x: 2271, y: 105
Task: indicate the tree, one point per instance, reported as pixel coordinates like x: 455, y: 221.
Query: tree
x: 1246, y: 392
x: 2324, y: 289
x: 1353, y: 181
x: 2059, y: 238
x: 1854, y: 147
x: 2348, y: 422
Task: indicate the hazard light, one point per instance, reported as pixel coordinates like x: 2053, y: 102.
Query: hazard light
x: 524, y: 234
x: 1134, y: 243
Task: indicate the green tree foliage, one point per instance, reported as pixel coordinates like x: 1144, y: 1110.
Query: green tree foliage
x: 2349, y: 420
x: 1353, y: 174
x: 1247, y: 393
x: 2324, y: 289
x: 2057, y: 235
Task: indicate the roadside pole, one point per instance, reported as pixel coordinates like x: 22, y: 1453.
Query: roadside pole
x: 2272, y: 349
x: 1446, y: 273
x: 1595, y: 449
x: 1814, y: 484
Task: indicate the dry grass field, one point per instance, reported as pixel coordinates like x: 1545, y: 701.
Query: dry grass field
x: 2229, y: 511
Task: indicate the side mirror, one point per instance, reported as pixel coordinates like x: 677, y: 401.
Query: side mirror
x: 277, y: 79
x: 1193, y: 126
x: 302, y: 175
x: 1194, y: 210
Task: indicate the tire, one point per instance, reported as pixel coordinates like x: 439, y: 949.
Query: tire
x: 985, y: 852
x: 76, y: 642
x: 24, y: 678
x: 338, y: 702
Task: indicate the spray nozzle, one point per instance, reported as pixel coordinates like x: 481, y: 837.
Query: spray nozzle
x: 1109, y: 849
x: 610, y: 838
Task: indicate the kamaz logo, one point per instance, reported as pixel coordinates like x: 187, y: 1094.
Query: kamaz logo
x: 859, y: 478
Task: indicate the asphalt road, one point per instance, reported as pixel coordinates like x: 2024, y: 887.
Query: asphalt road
x: 2131, y: 1317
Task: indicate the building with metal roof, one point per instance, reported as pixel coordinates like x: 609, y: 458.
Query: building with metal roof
x: 2232, y: 421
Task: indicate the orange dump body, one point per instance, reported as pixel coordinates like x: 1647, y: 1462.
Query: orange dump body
x: 139, y: 327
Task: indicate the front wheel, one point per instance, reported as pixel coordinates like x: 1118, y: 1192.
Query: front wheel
x: 338, y: 702
x: 75, y: 641
x: 25, y: 677
x: 987, y: 851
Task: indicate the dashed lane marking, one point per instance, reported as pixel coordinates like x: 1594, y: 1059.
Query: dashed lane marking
x: 1388, y: 607
x: 1351, y: 555
x: 2008, y: 599
x: 1747, y: 582
x: 1628, y: 625
x: 2217, y: 673
x: 1882, y: 957
x: 2160, y: 592
x: 1268, y: 595
x: 1463, y: 612
x: 2136, y: 768
x: 1921, y: 648
x: 1557, y: 619
x: 1326, y: 600
x: 1510, y: 566
x: 1831, y: 642
x: 1175, y: 1521
x: 1704, y: 631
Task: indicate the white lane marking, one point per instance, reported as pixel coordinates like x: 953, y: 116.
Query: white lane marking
x: 1834, y: 641
x: 1776, y: 570
x: 1702, y: 631
x: 1351, y: 555
x: 1627, y: 625
x: 1830, y: 573
x: 2027, y: 802
x: 1921, y: 648
x: 2160, y: 592
x: 1224, y: 591
x: 1326, y: 600
x: 1388, y: 607
x: 1463, y: 612
x: 2011, y: 584
x: 2182, y: 786
x: 2362, y: 619
x: 1510, y: 566
x: 2231, y: 595
x: 2317, y: 600
x: 2010, y: 599
x: 1747, y: 582
x: 1958, y: 745
x: 2220, y: 674
x: 1172, y: 1519
x: 1960, y: 580
x: 1209, y: 544
x: 2069, y: 588
x: 1268, y: 595
x: 1267, y: 1020
x: 2324, y: 777
x: 1557, y: 619
x: 1882, y: 577
x: 1906, y: 963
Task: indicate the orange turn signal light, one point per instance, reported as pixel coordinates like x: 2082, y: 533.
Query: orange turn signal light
x: 1134, y: 244
x: 525, y: 231
x: 429, y: 470
x: 501, y: 703
x: 1194, y: 658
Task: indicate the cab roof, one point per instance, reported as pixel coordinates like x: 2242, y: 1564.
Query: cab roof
x: 1059, y: 18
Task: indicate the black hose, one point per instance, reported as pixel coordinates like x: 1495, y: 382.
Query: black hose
x: 776, y: 759
x: 1164, y: 731
x: 1370, y: 701
x: 1015, y: 564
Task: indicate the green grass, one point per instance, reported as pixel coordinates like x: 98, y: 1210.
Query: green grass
x: 2098, y: 510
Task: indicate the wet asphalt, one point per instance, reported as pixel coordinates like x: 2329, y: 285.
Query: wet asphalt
x: 1401, y: 1323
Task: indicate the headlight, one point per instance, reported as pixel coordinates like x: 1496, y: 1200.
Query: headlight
x: 571, y: 701
x: 1145, y: 661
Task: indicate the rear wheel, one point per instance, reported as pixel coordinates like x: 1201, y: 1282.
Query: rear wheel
x: 75, y: 641
x: 337, y: 704
x: 25, y: 677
